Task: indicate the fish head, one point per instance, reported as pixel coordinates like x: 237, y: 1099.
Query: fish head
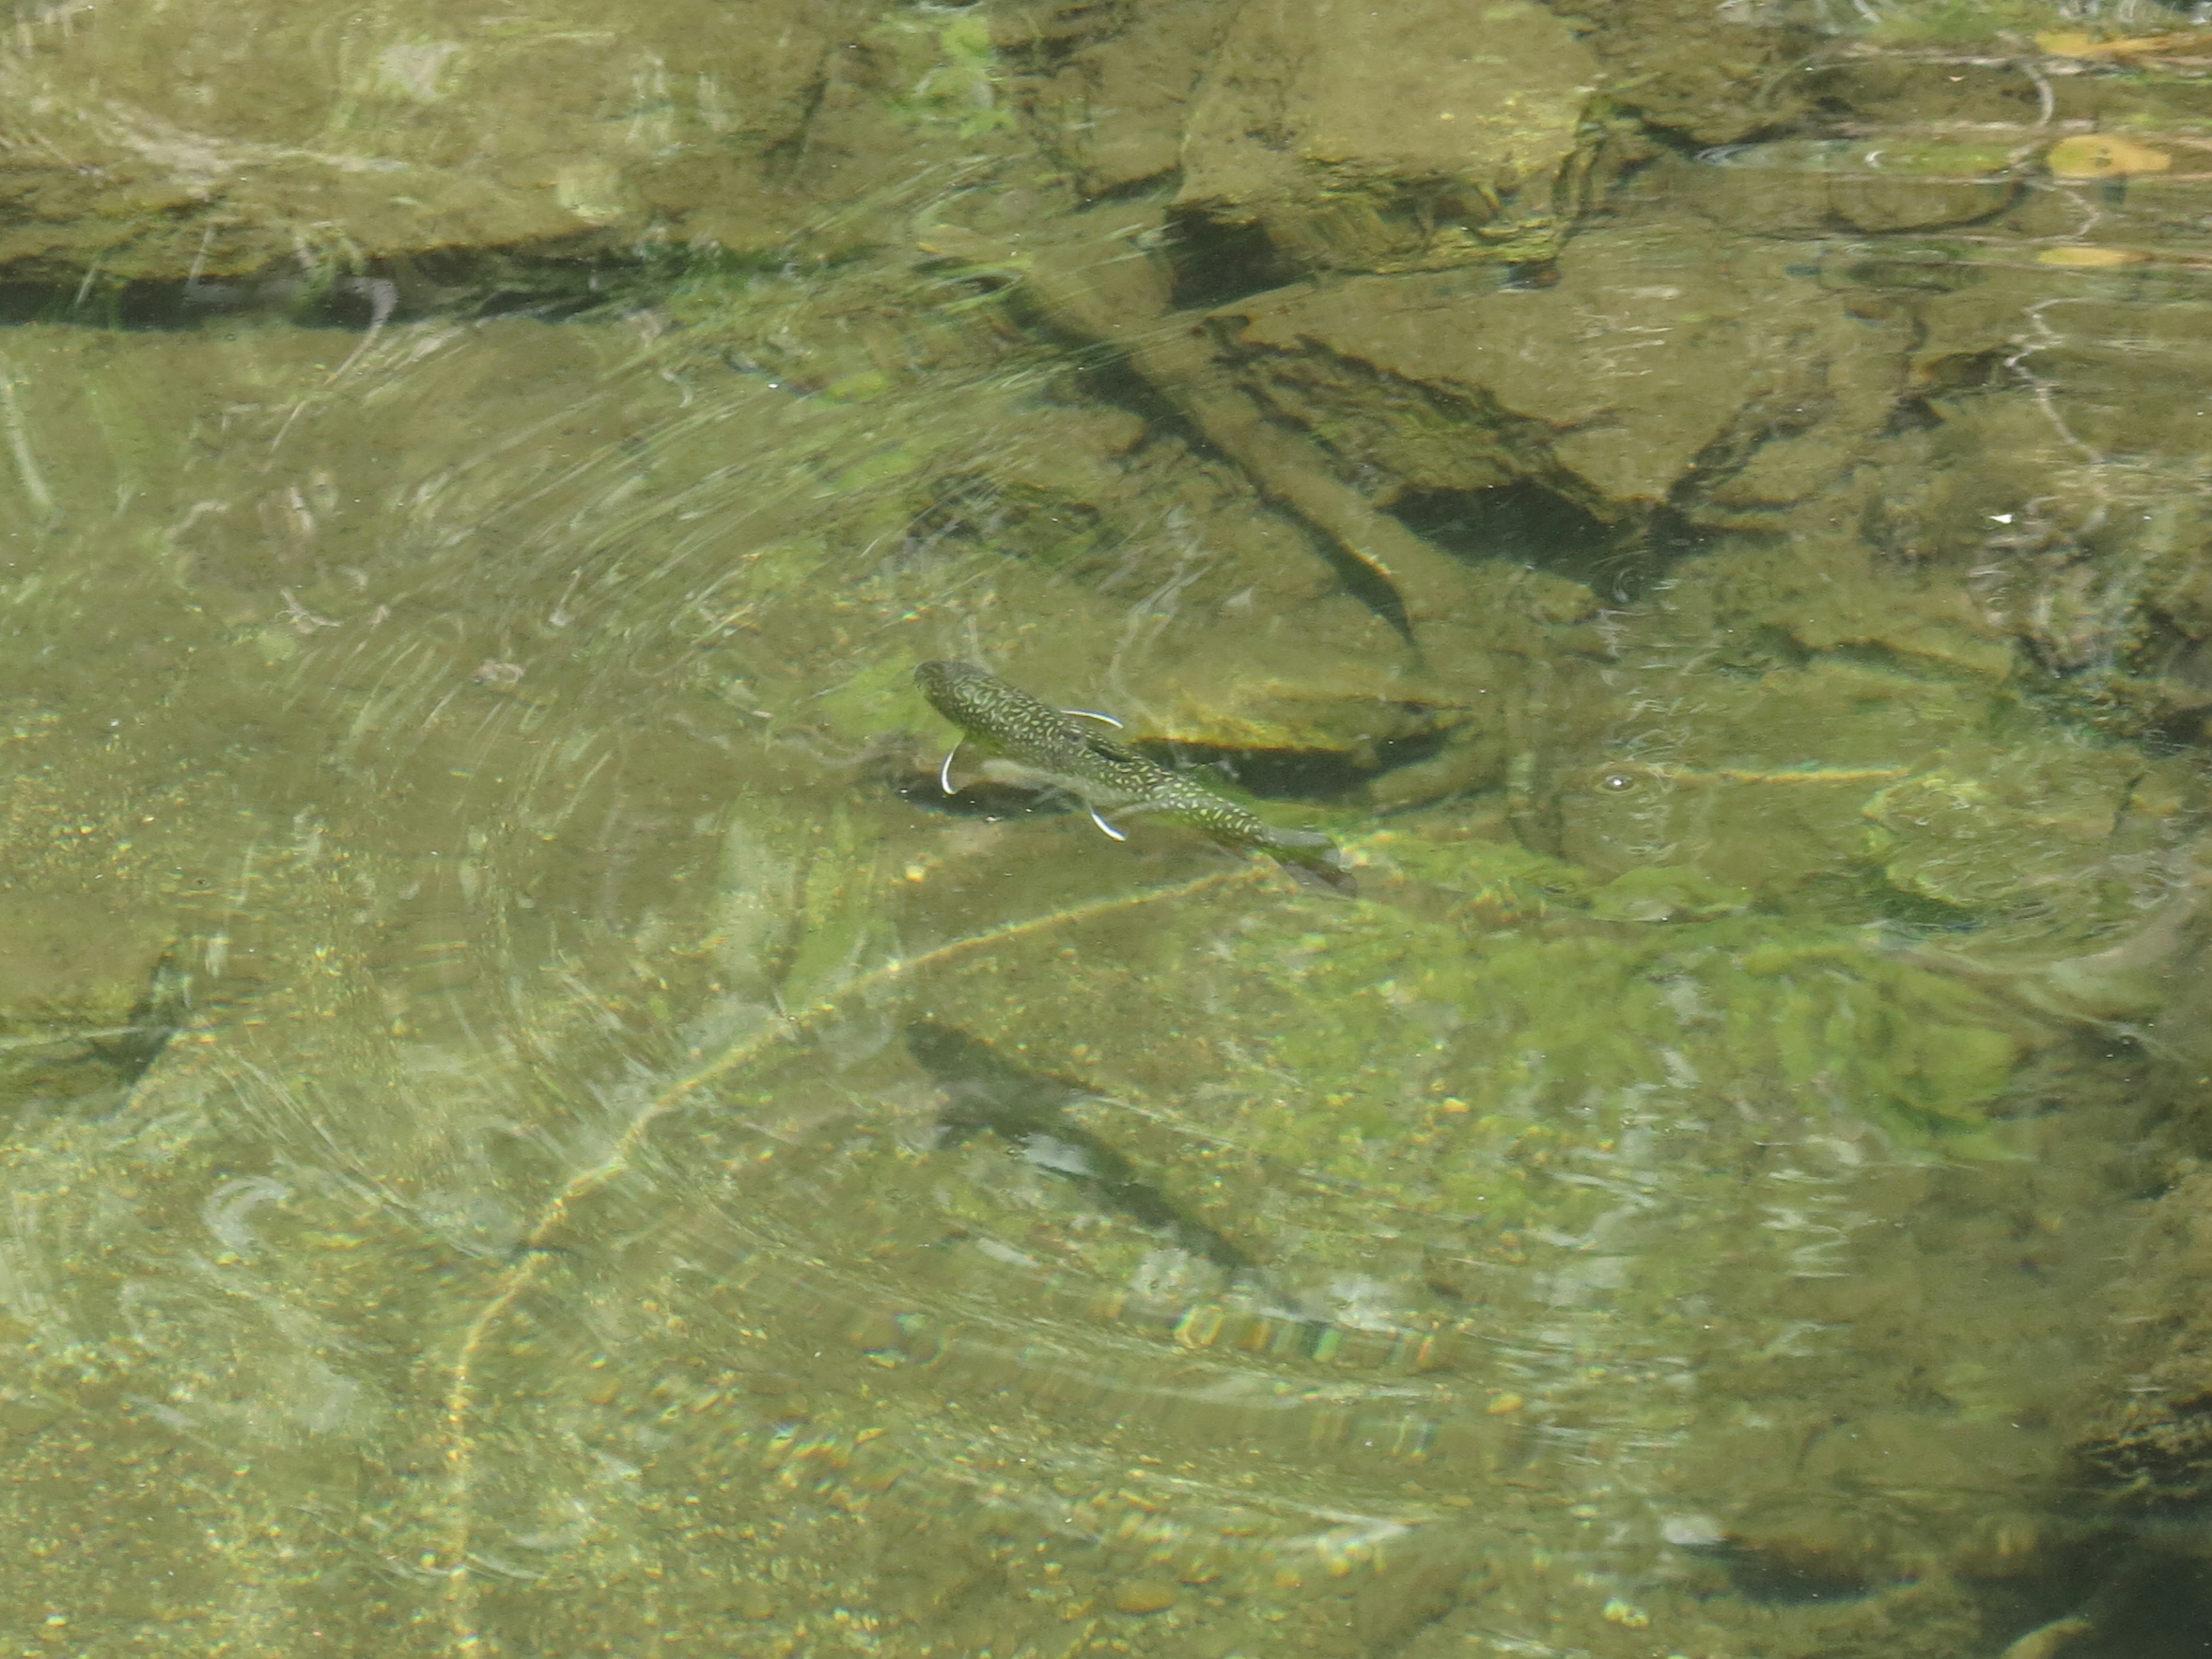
x: 1000, y: 718
x: 964, y: 694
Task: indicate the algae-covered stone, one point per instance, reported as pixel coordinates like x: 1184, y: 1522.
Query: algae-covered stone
x: 1657, y: 368
x: 1703, y: 73
x: 2142, y: 1432
x: 143, y: 141
x: 2054, y: 829
x: 2070, y: 508
x: 1658, y: 893
x: 1109, y: 88
x: 1804, y: 777
x: 1827, y: 591
x: 1404, y: 137
x: 2122, y: 375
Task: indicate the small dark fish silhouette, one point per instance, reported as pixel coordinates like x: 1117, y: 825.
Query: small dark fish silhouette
x: 1028, y: 1109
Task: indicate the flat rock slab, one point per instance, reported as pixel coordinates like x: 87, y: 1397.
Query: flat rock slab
x: 143, y: 141
x: 1642, y: 366
x: 1378, y: 138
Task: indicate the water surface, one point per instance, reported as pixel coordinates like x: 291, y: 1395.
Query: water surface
x: 535, y: 1125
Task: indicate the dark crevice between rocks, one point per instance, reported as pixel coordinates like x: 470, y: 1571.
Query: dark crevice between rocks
x: 1217, y: 262
x: 1690, y: 148
x: 348, y: 303
x: 1044, y: 51
x: 1911, y: 414
x: 1526, y: 523
x: 1859, y: 895
x: 553, y: 280
x: 2162, y: 1609
x: 1364, y: 583
x: 1672, y: 535
x: 1134, y: 190
x: 2113, y: 1596
x: 782, y: 159
x: 1906, y: 270
x: 2063, y: 1580
x: 2176, y: 732
x: 1109, y: 378
x: 1782, y: 1578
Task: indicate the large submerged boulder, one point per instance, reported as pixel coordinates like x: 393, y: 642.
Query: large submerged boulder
x: 1657, y: 371
x: 1401, y: 138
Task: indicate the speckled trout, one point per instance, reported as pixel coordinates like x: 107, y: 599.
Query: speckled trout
x: 1053, y: 748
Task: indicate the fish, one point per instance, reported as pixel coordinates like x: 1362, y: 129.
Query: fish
x: 1033, y: 1113
x: 1030, y: 1111
x: 1053, y: 748
x: 164, y: 1008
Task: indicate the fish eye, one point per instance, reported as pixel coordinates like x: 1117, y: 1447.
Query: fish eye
x: 1615, y: 783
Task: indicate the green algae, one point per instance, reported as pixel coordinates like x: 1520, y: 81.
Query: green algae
x: 1963, y: 23
x: 1563, y: 1018
x: 1659, y: 893
x: 963, y: 86
x: 836, y: 926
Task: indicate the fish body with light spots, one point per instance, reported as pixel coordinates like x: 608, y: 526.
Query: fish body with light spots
x: 1031, y: 743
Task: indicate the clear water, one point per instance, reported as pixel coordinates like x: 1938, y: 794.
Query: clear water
x: 537, y: 1126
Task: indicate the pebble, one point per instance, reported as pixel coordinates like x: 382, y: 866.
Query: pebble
x: 1144, y: 1595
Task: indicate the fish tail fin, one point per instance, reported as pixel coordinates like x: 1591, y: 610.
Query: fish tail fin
x: 1311, y: 856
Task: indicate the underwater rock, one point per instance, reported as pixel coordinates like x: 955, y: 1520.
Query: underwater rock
x: 1826, y: 590
x: 1410, y: 137
x: 1702, y: 74
x: 2180, y: 1036
x: 2145, y: 1435
x: 2104, y: 155
x: 1106, y: 89
x: 2062, y: 449
x: 1465, y: 623
x: 142, y: 144
x: 1658, y: 367
x: 1838, y: 772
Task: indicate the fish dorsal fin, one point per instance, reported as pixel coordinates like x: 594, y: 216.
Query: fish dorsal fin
x: 1100, y: 742
x: 1108, y: 748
